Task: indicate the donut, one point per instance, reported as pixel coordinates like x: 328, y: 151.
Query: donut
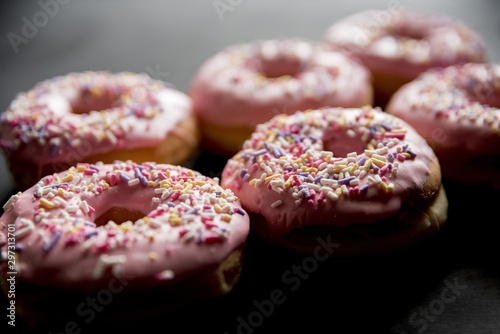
x: 95, y: 116
x: 246, y: 84
x: 164, y: 235
x: 356, y: 177
x: 397, y: 44
x: 457, y: 110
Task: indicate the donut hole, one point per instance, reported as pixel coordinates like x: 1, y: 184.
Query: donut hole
x: 279, y: 67
x: 119, y: 216
x: 94, y: 99
x: 407, y: 33
x: 343, y: 142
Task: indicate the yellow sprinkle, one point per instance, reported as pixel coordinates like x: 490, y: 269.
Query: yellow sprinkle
x: 226, y: 217
x: 105, y: 185
x: 164, y: 184
x: 217, y: 208
x: 378, y: 162
x: 354, y: 168
x: 338, y: 191
x: 47, y: 204
x: 90, y: 187
x: 370, y: 147
x: 153, y: 256
x: 339, y: 168
x: 252, y: 182
x: 68, y: 177
x: 399, y: 130
x: 272, y: 137
x: 312, y: 170
x: 287, y: 184
x: 175, y: 220
x: 150, y: 183
x: 80, y: 168
x: 61, y: 192
x: 368, y: 164
x: 406, y: 155
x: 269, y: 178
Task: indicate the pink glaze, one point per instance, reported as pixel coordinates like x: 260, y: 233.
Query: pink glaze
x: 121, y: 111
x: 406, y: 42
x: 457, y: 110
x: 248, y: 84
x: 333, y: 166
x: 189, y: 223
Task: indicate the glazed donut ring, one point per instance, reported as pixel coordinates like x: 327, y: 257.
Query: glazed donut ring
x: 398, y: 44
x: 457, y: 110
x: 247, y: 84
x: 166, y: 229
x: 95, y: 116
x: 359, y: 176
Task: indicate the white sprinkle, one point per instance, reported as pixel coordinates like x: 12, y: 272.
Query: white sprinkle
x: 28, y: 227
x: 327, y: 182
x: 354, y: 182
x: 84, y: 206
x: 313, y: 186
x: 277, y: 203
x: 382, y: 150
x: 72, y: 208
x: 166, y: 275
x: 133, y: 182
x: 344, y: 189
x: 332, y: 195
x: 60, y: 201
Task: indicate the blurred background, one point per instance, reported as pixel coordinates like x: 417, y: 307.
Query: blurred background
x: 170, y: 40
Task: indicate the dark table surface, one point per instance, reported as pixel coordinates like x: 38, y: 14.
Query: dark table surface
x: 450, y: 284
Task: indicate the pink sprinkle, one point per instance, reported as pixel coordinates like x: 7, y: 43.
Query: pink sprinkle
x: 175, y: 195
x: 212, y: 239
x: 398, y: 135
x: 183, y: 232
x: 89, y: 171
x: 162, y: 175
x: 401, y: 157
x: 156, y: 212
x: 383, y: 170
x: 91, y: 210
x: 103, y: 247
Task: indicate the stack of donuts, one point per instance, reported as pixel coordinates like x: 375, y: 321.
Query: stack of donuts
x: 347, y: 140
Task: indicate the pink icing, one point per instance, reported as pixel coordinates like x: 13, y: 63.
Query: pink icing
x: 189, y: 223
x: 290, y: 172
x: 457, y: 109
x: 406, y: 42
x: 121, y: 110
x: 247, y: 84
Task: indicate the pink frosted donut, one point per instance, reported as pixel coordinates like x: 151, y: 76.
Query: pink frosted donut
x: 358, y: 177
x: 244, y: 85
x: 95, y: 116
x: 398, y: 44
x: 152, y: 231
x: 457, y: 110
